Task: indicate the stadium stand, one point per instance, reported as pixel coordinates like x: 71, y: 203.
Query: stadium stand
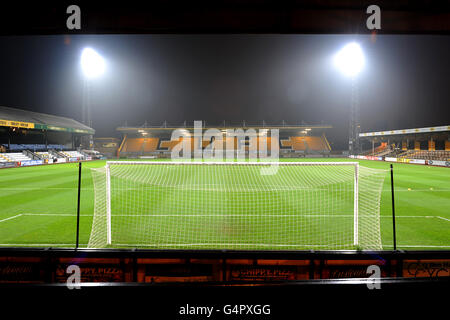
x: 381, y: 148
x: 426, y: 155
x: 36, y: 120
x: 43, y: 138
x: 26, y: 130
x: 44, y: 155
x: 306, y: 143
x: 316, y: 143
x: 73, y: 154
x: 299, y: 139
x: 150, y: 144
x: 427, y: 143
x: 15, y: 157
x: 310, y: 144
x: 133, y: 145
x: 295, y: 143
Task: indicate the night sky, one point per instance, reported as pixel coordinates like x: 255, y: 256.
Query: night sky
x: 405, y: 83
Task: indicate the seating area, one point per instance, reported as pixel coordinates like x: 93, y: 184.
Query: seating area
x: 295, y: 143
x: 150, y: 145
x: 73, y: 154
x: 132, y: 145
x: 14, y: 157
x: 306, y: 143
x: 44, y: 155
x: 441, y: 155
x: 316, y: 143
x: 70, y: 155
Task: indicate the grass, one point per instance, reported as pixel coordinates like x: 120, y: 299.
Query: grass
x: 38, y: 206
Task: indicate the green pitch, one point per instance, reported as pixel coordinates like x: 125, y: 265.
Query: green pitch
x: 234, y: 206
x: 38, y: 205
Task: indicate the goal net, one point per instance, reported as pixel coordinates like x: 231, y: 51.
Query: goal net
x: 231, y: 205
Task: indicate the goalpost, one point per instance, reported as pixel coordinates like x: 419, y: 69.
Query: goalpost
x: 231, y: 205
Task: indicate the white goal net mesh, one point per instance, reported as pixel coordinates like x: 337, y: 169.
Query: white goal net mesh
x: 233, y: 206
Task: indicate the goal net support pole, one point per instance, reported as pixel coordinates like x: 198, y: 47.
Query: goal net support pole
x: 108, y: 204
x: 355, y: 205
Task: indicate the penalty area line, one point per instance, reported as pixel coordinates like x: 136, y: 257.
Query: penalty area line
x: 56, y: 214
x: 421, y: 246
x: 13, y: 217
x: 23, y: 245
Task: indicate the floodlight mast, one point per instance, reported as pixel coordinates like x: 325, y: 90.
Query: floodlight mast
x: 93, y: 66
x: 92, y: 63
x: 354, y: 146
x: 350, y: 61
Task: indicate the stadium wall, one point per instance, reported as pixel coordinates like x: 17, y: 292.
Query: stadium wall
x: 439, y: 163
x: 46, y: 266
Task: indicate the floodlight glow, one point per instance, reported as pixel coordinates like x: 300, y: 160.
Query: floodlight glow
x: 92, y: 63
x: 350, y: 59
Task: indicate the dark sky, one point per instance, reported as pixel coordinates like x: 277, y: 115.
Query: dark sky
x: 405, y: 83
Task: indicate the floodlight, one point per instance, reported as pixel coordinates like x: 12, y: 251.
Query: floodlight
x: 92, y: 63
x: 350, y: 59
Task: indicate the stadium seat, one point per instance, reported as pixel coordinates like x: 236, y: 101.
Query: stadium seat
x: 441, y: 155
x: 150, y: 144
x: 14, y: 157
x: 133, y: 145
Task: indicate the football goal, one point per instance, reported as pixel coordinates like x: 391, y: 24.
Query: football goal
x: 232, y: 205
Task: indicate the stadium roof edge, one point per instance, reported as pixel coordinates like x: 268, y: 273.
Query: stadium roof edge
x: 19, y: 118
x: 405, y: 131
x: 221, y: 127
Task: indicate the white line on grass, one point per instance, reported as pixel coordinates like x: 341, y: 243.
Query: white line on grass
x: 57, y: 214
x: 45, y: 188
x: 418, y: 190
x: 10, y: 218
x: 427, y: 217
x: 421, y: 246
x: 69, y: 245
x: 443, y: 218
x: 224, y: 244
x: 215, y: 215
x: 254, y: 244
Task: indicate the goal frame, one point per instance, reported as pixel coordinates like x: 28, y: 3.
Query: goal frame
x: 235, y: 163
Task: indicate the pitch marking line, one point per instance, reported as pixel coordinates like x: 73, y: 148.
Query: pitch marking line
x: 10, y: 218
x: 210, y: 215
x: 419, y: 246
x: 181, y: 244
x: 57, y: 214
x: 256, y: 244
x: 21, y: 245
